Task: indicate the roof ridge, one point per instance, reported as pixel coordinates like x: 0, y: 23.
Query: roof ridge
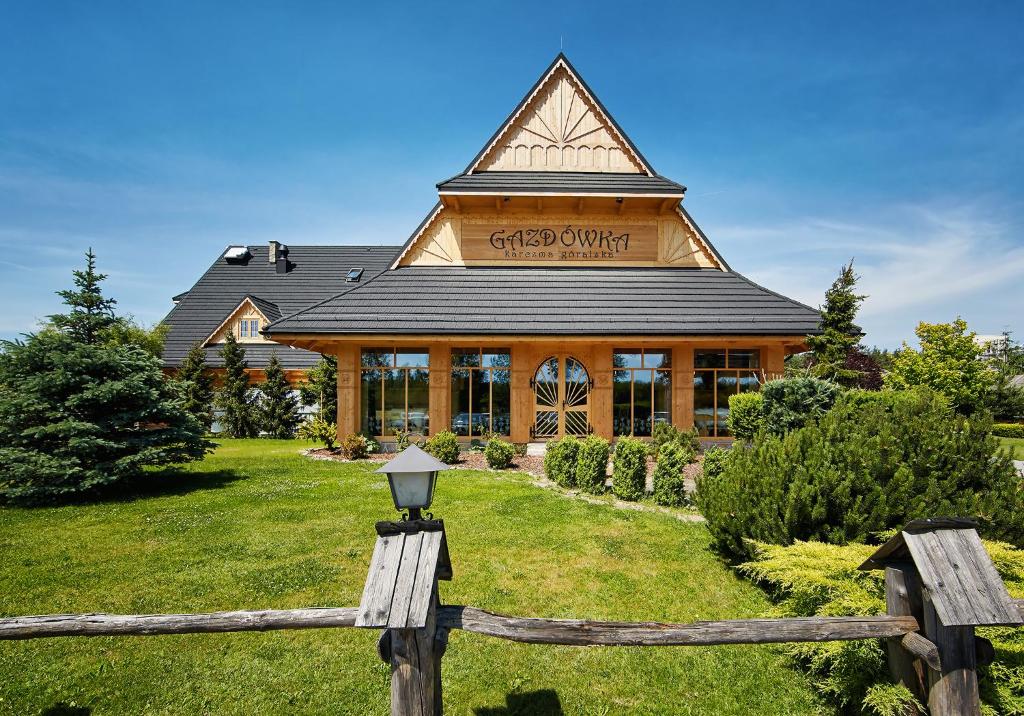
x: 362, y: 284
x: 774, y: 293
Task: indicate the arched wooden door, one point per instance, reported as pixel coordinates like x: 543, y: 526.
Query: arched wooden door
x: 561, y: 390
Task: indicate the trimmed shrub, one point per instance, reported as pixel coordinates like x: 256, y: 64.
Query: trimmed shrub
x: 499, y: 454
x: 560, y: 461
x: 592, y: 464
x: 669, y: 485
x: 1008, y: 430
x: 746, y: 415
x: 866, y: 467
x: 355, y: 447
x: 714, y: 462
x: 791, y: 403
x: 669, y: 433
x: 319, y: 430
x: 444, y: 446
x: 629, y: 468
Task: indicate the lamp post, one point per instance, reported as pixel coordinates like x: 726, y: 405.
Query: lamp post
x: 412, y: 476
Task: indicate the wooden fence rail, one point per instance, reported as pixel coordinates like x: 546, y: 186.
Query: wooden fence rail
x: 938, y: 665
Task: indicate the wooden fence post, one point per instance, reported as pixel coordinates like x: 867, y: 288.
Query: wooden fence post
x: 415, y: 658
x: 903, y: 598
x: 953, y: 690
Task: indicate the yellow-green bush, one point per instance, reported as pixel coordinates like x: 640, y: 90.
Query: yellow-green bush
x: 629, y: 468
x: 444, y: 446
x: 560, y: 461
x: 592, y: 464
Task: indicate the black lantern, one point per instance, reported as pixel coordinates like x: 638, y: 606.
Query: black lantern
x: 412, y: 476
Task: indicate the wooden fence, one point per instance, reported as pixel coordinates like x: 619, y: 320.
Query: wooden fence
x: 940, y: 585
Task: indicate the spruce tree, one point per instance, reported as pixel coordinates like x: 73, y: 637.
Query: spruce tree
x: 196, y: 386
x: 235, y: 398
x: 91, y: 315
x: 840, y: 335
x: 321, y: 387
x: 278, y: 408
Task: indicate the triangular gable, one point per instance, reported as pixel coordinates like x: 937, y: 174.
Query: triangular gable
x: 560, y: 126
x: 266, y: 310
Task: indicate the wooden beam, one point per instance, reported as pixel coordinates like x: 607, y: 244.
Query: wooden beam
x: 622, y: 204
x: 579, y: 206
x: 456, y: 204
x: 35, y: 627
x: 497, y: 204
x: 923, y: 649
x: 903, y: 598
x: 540, y: 204
x: 953, y: 690
x: 575, y: 632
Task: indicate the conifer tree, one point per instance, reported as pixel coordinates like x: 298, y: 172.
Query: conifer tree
x: 91, y: 314
x: 840, y: 335
x: 321, y: 387
x: 278, y: 408
x: 235, y: 399
x: 196, y: 386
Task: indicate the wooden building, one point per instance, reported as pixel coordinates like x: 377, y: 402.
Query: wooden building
x: 557, y: 287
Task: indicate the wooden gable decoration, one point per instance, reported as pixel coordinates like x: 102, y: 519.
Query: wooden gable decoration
x: 956, y: 572
x: 247, y: 307
x: 560, y: 126
x: 399, y: 587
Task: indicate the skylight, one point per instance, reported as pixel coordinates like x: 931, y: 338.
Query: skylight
x: 353, y: 275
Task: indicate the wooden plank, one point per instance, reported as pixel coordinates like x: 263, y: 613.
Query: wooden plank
x: 895, y: 547
x: 52, y: 625
x: 380, y: 581
x: 737, y: 631
x: 953, y: 690
x: 903, y: 598
x: 423, y: 588
x: 961, y: 580
x: 923, y: 649
x: 407, y: 572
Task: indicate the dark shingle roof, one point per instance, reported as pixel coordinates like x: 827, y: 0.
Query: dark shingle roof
x: 317, y: 272
x: 564, y: 183
x: 578, y: 301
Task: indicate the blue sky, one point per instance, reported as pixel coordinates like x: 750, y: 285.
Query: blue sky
x: 807, y: 133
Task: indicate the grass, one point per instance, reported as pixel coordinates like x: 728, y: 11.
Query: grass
x: 258, y: 526
x: 1014, y: 445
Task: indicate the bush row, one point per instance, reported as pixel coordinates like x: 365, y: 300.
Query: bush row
x: 1008, y: 430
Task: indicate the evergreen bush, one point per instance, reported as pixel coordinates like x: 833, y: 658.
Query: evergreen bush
x: 669, y: 480
x: 321, y: 386
x: 235, y: 398
x: 667, y: 432
x: 277, y: 409
x: 196, y: 386
x: 355, y: 447
x: 498, y: 454
x: 746, y: 415
x: 629, y: 468
x: 319, y: 430
x: 560, y: 461
x: 444, y: 446
x: 791, y: 403
x: 867, y: 466
x: 592, y: 464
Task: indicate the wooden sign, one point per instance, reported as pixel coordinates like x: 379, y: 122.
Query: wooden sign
x: 583, y: 242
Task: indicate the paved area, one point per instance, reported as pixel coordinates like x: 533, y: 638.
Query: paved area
x: 1019, y: 464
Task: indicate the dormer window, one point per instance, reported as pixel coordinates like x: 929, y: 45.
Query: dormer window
x: 249, y: 328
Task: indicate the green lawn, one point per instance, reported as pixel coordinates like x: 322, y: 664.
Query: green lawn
x: 257, y: 526
x: 1015, y: 445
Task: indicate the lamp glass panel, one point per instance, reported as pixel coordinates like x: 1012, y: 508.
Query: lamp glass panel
x: 411, y: 489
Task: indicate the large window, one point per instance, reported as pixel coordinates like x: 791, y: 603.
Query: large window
x: 394, y: 391
x: 481, y: 401
x: 641, y: 390
x: 717, y: 374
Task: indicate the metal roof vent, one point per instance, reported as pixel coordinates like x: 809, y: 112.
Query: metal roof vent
x: 353, y: 275
x: 237, y: 254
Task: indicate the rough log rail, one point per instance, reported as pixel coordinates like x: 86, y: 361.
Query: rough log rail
x: 571, y: 632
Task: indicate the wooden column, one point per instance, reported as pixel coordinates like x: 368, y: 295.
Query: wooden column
x: 440, y: 388
x: 903, y: 598
x: 774, y: 363
x: 682, y: 386
x: 348, y: 390
x: 415, y: 656
x: 523, y: 368
x: 953, y: 690
x: 600, y: 368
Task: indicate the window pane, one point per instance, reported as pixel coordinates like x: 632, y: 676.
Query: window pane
x: 501, y: 402
x: 243, y: 329
x: 662, y: 397
x: 750, y: 382
x: 621, y: 402
x: 394, y: 401
x: 412, y: 359
x: 497, y: 358
x: 657, y: 359
x: 419, y: 401
x: 728, y: 382
x: 709, y: 359
x: 642, y: 403
x: 480, y: 401
x: 254, y: 327
x: 704, y: 402
x: 460, y: 401
x: 369, y: 402
x: 377, y: 358
x: 627, y: 358
x: 465, y: 357
x: 744, y: 358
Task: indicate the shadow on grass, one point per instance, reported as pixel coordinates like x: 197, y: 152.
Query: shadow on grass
x: 164, y: 483
x: 63, y: 709
x: 542, y: 703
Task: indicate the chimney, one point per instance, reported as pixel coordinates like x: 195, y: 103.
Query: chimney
x: 280, y: 252
x: 272, y: 257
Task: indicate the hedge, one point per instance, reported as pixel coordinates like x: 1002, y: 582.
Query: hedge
x: 669, y: 480
x: 746, y: 415
x: 629, y: 468
x: 444, y: 446
x: 1008, y: 430
x: 592, y: 464
x: 560, y: 461
x: 498, y: 454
